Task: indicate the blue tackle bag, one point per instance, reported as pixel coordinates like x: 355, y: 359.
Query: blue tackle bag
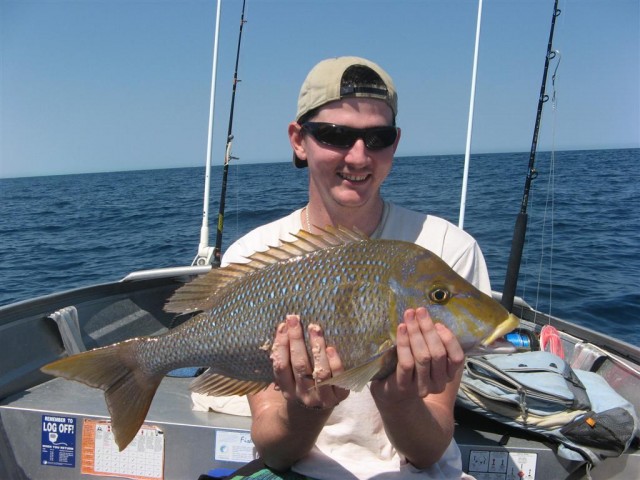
x: 539, y: 392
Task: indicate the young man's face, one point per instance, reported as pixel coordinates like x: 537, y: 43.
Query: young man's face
x: 349, y: 177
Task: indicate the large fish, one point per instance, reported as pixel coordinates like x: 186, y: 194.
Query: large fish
x: 355, y: 288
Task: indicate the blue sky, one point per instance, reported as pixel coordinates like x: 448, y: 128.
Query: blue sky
x: 104, y: 85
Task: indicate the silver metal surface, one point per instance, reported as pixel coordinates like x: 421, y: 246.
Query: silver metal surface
x: 189, y: 436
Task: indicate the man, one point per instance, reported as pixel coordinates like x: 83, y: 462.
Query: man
x: 401, y: 426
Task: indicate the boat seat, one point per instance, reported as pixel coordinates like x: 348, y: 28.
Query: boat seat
x: 69, y: 327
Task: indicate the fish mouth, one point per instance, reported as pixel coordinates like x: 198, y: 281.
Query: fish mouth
x: 352, y: 178
x: 505, y: 327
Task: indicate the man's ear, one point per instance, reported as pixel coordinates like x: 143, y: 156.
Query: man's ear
x: 295, y: 139
x: 395, y: 144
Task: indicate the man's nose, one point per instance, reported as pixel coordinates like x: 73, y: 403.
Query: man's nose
x: 358, y: 153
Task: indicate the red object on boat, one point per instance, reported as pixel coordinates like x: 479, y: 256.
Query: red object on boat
x: 550, y: 341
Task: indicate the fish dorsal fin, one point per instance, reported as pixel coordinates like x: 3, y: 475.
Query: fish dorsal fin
x: 330, y: 237
x: 211, y: 383
x: 200, y: 293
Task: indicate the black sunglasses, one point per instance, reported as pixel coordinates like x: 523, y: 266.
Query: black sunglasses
x: 340, y: 136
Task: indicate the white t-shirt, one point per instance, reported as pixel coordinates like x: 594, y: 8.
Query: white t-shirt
x: 353, y: 443
x: 455, y: 246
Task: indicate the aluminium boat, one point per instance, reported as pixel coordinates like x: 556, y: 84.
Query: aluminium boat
x: 52, y: 428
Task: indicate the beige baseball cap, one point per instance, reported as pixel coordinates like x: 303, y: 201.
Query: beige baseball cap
x: 324, y: 84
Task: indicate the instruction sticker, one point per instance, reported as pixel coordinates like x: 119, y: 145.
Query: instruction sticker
x: 143, y: 459
x: 502, y: 465
x: 58, y: 441
x: 234, y: 446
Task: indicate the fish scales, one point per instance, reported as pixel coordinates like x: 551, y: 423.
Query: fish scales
x: 356, y: 289
x: 345, y: 290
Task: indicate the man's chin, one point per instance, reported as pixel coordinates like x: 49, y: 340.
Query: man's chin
x: 351, y: 201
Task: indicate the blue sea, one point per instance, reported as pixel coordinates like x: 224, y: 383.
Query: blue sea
x: 581, y: 261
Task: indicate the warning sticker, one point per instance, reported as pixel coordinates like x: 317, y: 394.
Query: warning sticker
x: 58, y: 441
x: 234, y: 446
x: 143, y: 459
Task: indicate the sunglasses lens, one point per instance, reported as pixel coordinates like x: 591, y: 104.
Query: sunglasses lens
x: 375, y: 138
x: 335, y: 135
x: 380, y: 137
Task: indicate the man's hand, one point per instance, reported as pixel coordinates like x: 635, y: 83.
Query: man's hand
x: 429, y: 357
x: 296, y: 374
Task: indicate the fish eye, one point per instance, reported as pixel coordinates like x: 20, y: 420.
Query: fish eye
x: 439, y: 295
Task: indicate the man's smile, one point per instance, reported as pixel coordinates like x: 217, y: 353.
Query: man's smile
x: 353, y: 178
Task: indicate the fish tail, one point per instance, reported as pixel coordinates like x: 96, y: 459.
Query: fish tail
x: 128, y: 390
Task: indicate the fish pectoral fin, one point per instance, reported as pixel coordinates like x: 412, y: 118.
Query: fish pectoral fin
x: 357, y: 378
x: 217, y: 385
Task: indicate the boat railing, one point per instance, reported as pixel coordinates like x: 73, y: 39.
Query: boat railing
x: 166, y: 272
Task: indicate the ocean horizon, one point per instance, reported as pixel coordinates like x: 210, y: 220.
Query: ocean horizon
x: 288, y: 162
x: 580, y: 262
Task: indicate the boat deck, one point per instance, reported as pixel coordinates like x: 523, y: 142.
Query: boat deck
x: 192, y: 442
x: 53, y: 428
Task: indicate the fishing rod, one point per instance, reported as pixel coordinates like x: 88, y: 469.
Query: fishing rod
x: 227, y: 156
x: 517, y: 243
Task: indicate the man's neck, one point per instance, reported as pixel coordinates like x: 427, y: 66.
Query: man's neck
x: 365, y: 218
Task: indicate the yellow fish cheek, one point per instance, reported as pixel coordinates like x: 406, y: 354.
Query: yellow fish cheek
x: 466, y: 326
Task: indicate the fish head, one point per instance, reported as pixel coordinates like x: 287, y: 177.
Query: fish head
x: 473, y: 316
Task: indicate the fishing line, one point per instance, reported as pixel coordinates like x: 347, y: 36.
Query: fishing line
x: 527, y: 253
x: 550, y: 200
x: 549, y: 206
x: 236, y: 177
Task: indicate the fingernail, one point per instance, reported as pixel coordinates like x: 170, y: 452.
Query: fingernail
x: 315, y: 329
x: 282, y: 328
x: 292, y: 320
x: 275, y: 360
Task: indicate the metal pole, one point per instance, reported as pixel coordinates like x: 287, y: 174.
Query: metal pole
x: 205, y: 252
x: 465, y: 176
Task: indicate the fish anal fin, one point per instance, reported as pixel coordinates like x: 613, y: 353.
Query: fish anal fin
x: 215, y: 384
x: 356, y: 378
x: 498, y: 346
